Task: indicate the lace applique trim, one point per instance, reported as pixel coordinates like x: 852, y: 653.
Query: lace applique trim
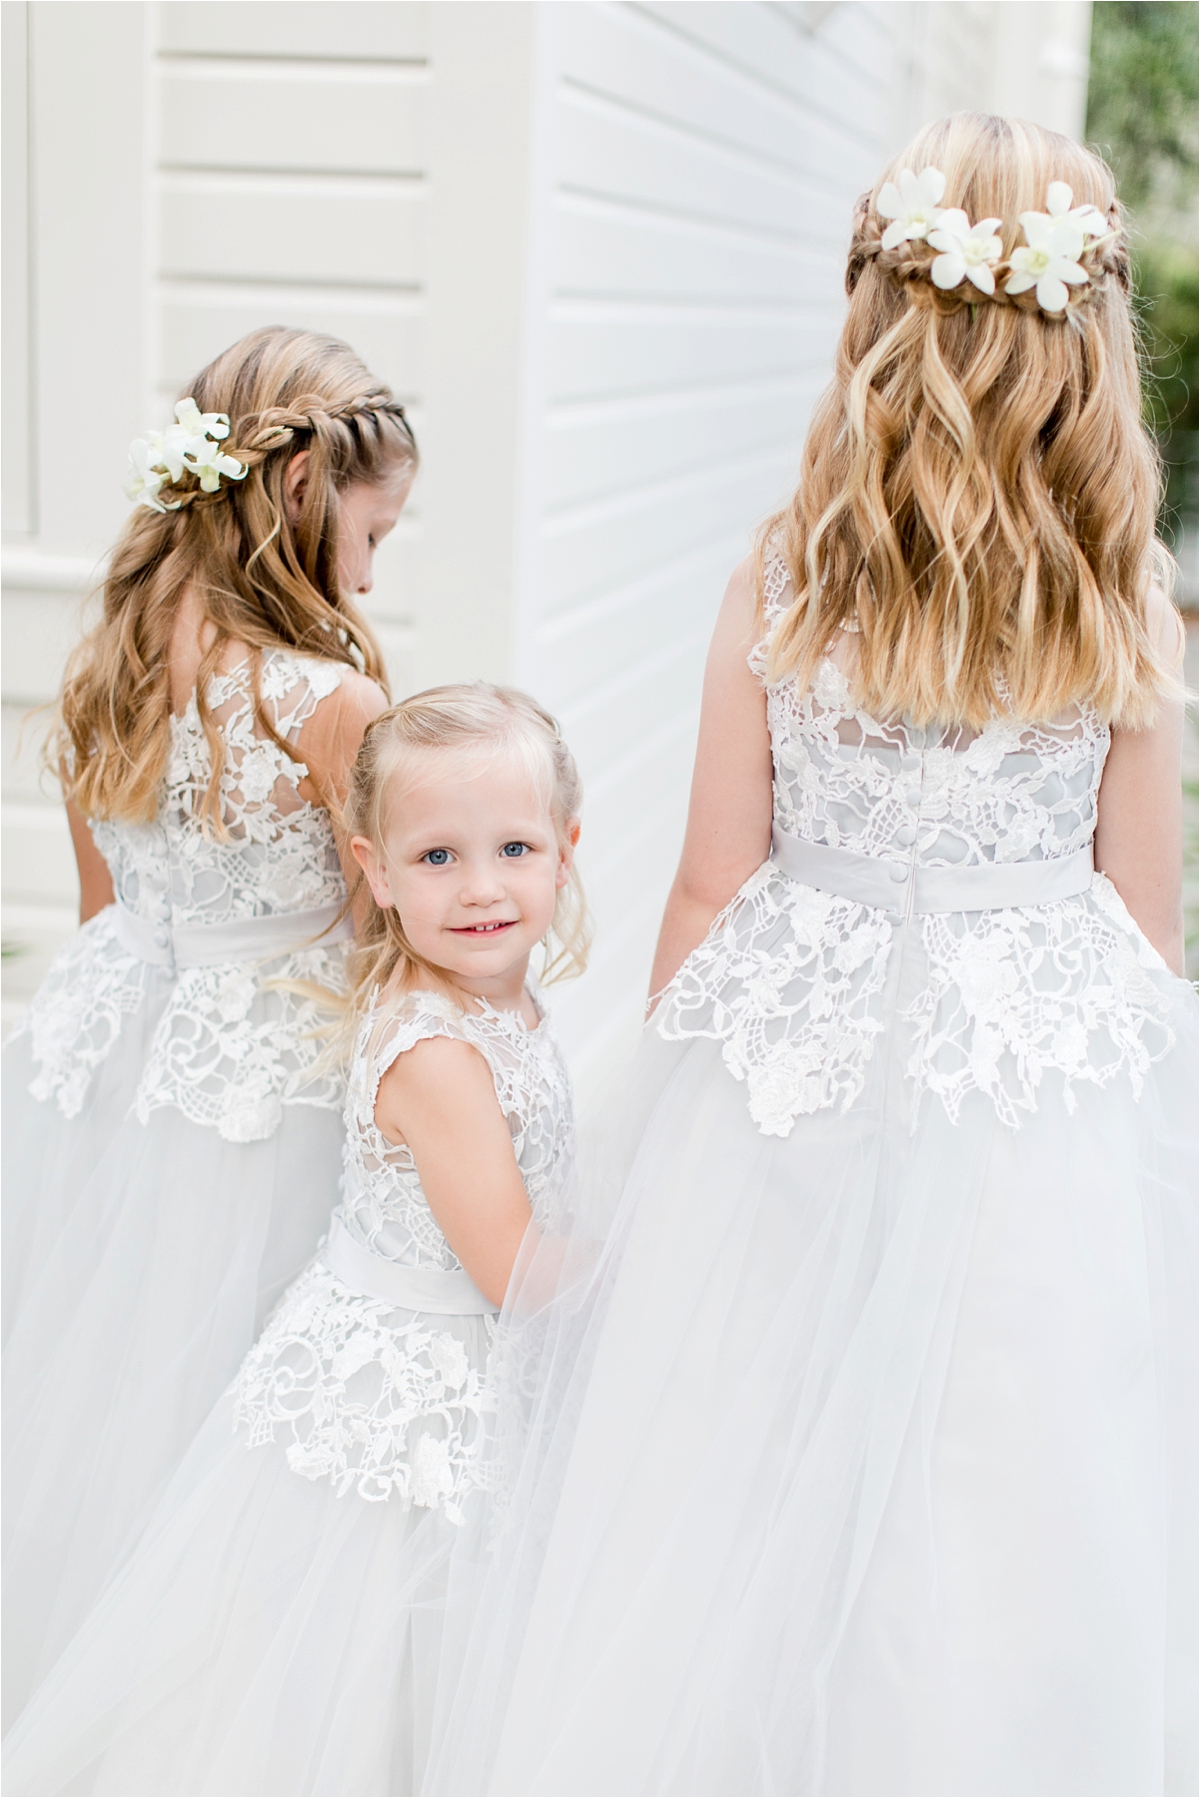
x: 374, y: 1400
x: 77, y: 1012
x: 236, y: 1046
x: 789, y: 981
x: 1014, y: 995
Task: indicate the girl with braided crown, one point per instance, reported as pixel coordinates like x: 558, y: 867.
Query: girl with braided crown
x: 170, y: 1143
x: 860, y: 1457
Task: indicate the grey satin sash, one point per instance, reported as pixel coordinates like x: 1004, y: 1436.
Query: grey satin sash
x: 905, y: 886
x: 444, y: 1292
x: 239, y: 939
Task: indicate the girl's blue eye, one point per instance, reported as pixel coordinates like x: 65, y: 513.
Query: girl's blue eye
x: 514, y: 849
x: 437, y: 858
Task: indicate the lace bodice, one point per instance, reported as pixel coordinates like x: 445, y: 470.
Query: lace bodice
x: 379, y: 1400
x: 798, y: 983
x: 279, y: 854
x: 383, y: 1206
x: 236, y: 1041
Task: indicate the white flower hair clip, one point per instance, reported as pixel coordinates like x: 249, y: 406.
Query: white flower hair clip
x: 1048, y: 261
x: 191, y: 445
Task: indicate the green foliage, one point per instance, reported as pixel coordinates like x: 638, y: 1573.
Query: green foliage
x: 1142, y: 94
x: 1142, y: 116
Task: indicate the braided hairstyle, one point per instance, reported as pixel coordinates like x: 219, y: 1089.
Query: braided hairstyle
x: 260, y: 577
x: 907, y: 265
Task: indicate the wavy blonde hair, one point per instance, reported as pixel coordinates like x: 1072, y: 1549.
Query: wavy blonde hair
x: 978, y: 493
x: 260, y: 579
x: 482, y: 722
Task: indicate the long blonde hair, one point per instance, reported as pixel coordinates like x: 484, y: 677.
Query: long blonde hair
x: 474, y: 718
x: 259, y: 578
x: 978, y: 493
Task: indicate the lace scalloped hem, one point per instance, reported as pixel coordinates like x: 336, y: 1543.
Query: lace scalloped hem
x: 76, y: 1015
x: 234, y: 1045
x: 793, y: 984
x: 380, y: 1402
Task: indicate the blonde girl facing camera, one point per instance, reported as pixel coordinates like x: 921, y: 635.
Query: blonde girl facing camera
x: 864, y: 1461
x: 280, y: 1627
x: 170, y: 1144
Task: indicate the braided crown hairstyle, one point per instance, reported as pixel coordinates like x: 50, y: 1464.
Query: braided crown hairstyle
x: 259, y: 578
x: 978, y: 493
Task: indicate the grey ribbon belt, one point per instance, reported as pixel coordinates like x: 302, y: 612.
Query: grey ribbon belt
x: 905, y: 886
x: 240, y: 939
x: 445, y: 1292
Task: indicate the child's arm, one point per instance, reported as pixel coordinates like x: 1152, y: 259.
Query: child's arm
x: 1139, y: 823
x: 95, y: 881
x: 328, y: 744
x: 729, y: 816
x: 440, y: 1099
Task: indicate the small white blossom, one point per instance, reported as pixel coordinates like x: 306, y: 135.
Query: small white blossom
x: 1049, y: 260
x: 1090, y: 219
x: 203, y: 424
x: 192, y: 442
x: 144, y: 479
x: 967, y: 251
x: 912, y: 206
x: 209, y: 461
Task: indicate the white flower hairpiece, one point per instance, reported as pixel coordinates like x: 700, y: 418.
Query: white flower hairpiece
x: 1047, y: 261
x: 187, y: 445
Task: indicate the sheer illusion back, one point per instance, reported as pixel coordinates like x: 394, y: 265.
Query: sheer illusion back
x: 799, y: 982
x: 209, y: 909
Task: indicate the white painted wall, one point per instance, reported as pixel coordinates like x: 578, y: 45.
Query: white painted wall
x: 596, y: 249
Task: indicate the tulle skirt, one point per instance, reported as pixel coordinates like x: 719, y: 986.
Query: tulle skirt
x: 268, y: 1636
x: 856, y: 1461
x: 140, y: 1260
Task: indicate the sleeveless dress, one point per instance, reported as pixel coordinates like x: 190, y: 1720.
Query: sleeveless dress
x: 857, y: 1453
x: 278, y: 1628
x: 170, y: 1148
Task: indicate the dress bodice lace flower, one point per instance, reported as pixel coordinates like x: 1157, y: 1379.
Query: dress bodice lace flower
x: 380, y: 1400
x: 235, y: 1042
x: 799, y: 984
x: 278, y: 852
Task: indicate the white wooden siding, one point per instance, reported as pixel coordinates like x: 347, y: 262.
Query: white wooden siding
x: 698, y: 166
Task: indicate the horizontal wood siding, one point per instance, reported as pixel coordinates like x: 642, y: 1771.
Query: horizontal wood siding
x: 698, y: 167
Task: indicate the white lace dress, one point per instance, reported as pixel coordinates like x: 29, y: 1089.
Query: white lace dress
x: 279, y: 1627
x: 170, y: 1148
x: 861, y: 1456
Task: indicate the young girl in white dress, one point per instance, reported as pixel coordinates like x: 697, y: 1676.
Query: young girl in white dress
x: 169, y: 1145
x: 862, y: 1458
x: 278, y: 1629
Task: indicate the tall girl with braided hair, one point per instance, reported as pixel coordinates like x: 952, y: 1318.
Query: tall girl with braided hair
x: 860, y: 1456
x: 170, y: 1141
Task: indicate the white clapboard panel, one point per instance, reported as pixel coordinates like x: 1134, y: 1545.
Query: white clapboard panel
x: 198, y: 319
x: 292, y: 228
x: 373, y: 30
x: 600, y: 345
x: 609, y: 147
x: 356, y: 118
x: 615, y: 446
